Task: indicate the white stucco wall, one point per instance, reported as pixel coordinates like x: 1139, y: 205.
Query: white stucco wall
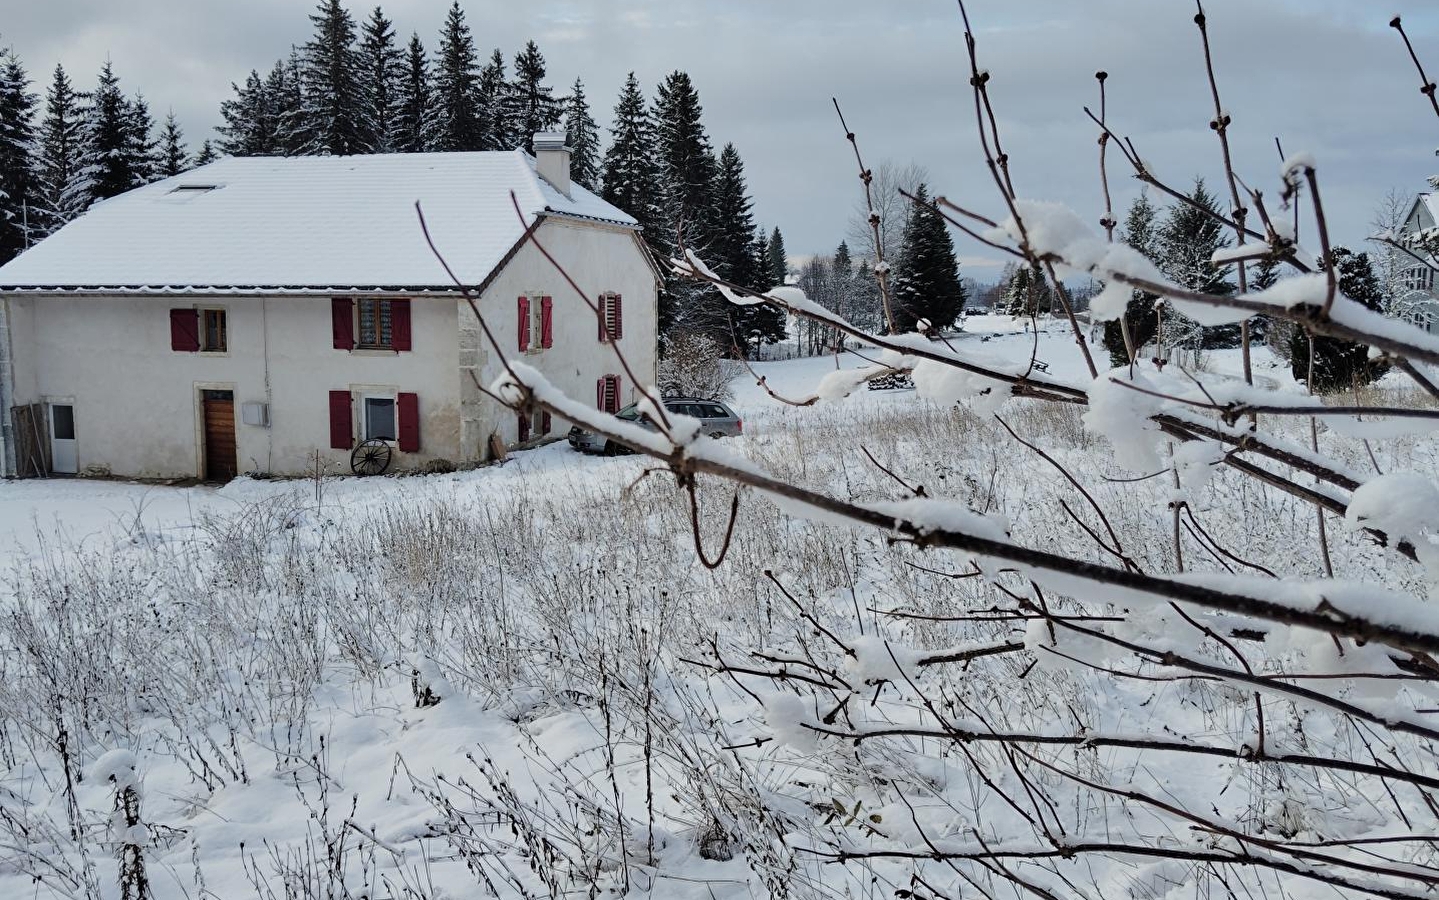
x: 137, y: 402
x: 600, y: 260
x: 137, y: 406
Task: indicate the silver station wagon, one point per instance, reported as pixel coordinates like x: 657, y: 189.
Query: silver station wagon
x: 716, y: 420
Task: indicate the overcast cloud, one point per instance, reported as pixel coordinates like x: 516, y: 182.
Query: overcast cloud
x: 1326, y: 76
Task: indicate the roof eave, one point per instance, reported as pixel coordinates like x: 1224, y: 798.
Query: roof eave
x: 171, y: 290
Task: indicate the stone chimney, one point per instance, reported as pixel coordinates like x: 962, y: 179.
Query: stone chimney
x: 552, y: 157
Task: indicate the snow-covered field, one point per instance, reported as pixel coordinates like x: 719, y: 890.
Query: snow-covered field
x: 501, y: 682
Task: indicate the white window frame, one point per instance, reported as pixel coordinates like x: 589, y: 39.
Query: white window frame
x: 393, y: 397
x: 1418, y: 278
x: 200, y: 312
x: 537, y: 321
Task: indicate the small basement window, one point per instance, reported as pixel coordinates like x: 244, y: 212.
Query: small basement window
x: 380, y: 419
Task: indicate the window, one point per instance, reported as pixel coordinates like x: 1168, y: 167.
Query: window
x: 62, y: 418
x: 1418, y: 278
x: 380, y: 419
x: 533, y: 425
x: 377, y: 324
x: 535, y: 314
x: 213, y: 333
x: 611, y: 318
x: 607, y: 394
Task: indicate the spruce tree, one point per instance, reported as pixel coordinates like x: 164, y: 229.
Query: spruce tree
x: 263, y: 118
x: 1139, y: 314
x: 1266, y: 274
x: 1341, y: 365
x: 458, y: 125
x: 499, y: 132
x: 926, y: 284
x: 687, y: 178
x: 19, y: 219
x: 686, y: 159
x: 530, y: 105
x: 173, y: 158
x: 583, y: 138
x: 1188, y: 240
x: 141, y: 145
x: 248, y: 128
x: 630, y: 175
x: 729, y: 249
x: 207, y: 155
x: 285, y: 98
x: 108, y: 157
x: 1026, y: 294
x: 414, y: 112
x: 779, y: 273
x: 842, y: 270
x: 731, y: 253
x: 335, y: 118
x: 381, y: 70
x: 868, y: 305
x: 64, y: 186
x: 762, y: 260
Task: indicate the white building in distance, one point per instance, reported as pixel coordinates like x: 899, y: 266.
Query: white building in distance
x: 249, y: 314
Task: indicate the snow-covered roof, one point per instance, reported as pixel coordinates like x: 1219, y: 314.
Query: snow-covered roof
x: 311, y: 223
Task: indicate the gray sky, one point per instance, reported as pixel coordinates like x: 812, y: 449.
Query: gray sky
x: 1326, y: 76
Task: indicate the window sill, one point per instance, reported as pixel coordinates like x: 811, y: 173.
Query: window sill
x: 212, y: 352
x: 374, y: 351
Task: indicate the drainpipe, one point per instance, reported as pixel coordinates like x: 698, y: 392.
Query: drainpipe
x: 7, y: 393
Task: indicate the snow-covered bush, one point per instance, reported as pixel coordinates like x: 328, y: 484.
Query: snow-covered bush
x: 694, y: 365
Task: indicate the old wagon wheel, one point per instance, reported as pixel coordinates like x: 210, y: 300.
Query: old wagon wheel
x: 370, y: 458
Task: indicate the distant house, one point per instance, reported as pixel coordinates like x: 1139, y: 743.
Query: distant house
x: 1420, y: 301
x: 248, y: 314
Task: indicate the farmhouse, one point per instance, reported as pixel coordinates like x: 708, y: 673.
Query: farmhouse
x: 250, y: 314
x: 1419, y: 300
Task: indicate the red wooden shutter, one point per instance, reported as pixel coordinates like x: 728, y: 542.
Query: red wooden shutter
x: 342, y: 429
x: 547, y: 322
x: 524, y: 419
x: 185, y: 330
x: 617, y: 327
x: 524, y: 313
x: 600, y: 392
x: 545, y: 422
x: 604, y: 316
x: 400, y: 324
x: 409, y: 413
x: 342, y: 323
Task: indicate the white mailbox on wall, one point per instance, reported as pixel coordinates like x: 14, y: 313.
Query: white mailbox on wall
x: 255, y: 414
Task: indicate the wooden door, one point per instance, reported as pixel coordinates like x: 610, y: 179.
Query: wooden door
x: 219, y: 409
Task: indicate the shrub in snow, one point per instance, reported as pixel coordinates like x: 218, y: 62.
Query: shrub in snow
x: 1340, y: 365
x: 694, y: 365
x: 119, y: 769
